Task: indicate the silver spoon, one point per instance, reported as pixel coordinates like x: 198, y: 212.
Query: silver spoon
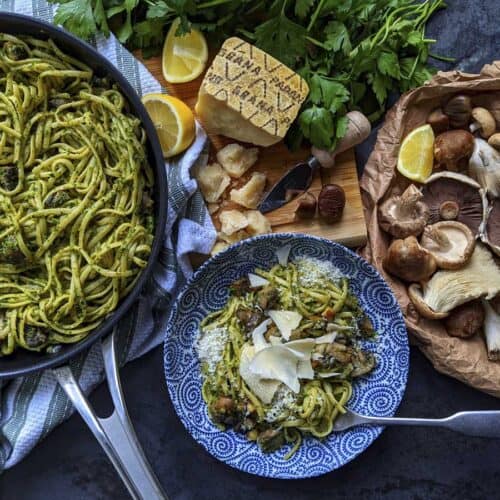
x: 472, y: 423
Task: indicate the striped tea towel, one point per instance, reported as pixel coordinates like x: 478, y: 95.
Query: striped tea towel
x: 32, y: 406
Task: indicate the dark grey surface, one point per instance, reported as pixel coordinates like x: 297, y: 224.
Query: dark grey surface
x: 402, y: 464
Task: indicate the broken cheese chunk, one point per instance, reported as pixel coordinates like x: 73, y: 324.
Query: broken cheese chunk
x: 236, y: 159
x: 248, y: 95
x: 250, y: 194
x: 232, y: 221
x: 257, y: 223
x: 213, y: 181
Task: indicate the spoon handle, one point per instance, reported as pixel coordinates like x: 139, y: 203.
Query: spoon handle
x: 472, y: 423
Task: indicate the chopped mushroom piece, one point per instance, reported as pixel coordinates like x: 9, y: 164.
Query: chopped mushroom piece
x: 404, y: 215
x: 448, y: 289
x: 492, y: 331
x: 465, y: 320
x: 484, y: 166
x: 452, y: 149
x: 407, y: 260
x: 451, y: 243
x: 484, y: 121
x: 452, y: 196
x: 491, y: 234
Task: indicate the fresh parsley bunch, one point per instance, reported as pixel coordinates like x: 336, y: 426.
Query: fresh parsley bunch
x: 352, y: 53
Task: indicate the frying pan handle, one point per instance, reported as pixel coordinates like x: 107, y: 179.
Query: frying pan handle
x: 115, y: 433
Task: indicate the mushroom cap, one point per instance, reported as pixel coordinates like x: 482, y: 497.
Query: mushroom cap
x: 415, y: 294
x: 466, y: 320
x: 485, y: 120
x: 494, y: 140
x: 491, y: 234
x: 407, y: 260
x: 404, y: 215
x: 450, y: 242
x: 458, y: 109
x: 452, y: 149
x: 453, y: 196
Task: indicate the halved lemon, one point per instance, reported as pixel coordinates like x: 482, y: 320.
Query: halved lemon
x: 416, y: 155
x: 173, y: 120
x: 184, y: 57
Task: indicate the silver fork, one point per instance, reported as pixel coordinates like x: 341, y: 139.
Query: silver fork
x: 472, y: 423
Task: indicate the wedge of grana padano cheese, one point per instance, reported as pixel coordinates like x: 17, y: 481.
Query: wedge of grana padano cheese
x: 248, y: 95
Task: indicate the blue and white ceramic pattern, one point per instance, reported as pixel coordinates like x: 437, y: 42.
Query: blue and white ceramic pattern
x: 379, y: 394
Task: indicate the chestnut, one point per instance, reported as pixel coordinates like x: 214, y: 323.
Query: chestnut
x: 331, y: 203
x: 306, y: 206
x: 458, y: 109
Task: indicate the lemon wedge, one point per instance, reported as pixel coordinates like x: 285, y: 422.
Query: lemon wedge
x: 184, y: 57
x: 416, y: 155
x: 173, y: 120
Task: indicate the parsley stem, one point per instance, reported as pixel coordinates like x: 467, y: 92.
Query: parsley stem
x: 315, y: 42
x: 315, y: 15
x: 212, y: 3
x: 441, y: 58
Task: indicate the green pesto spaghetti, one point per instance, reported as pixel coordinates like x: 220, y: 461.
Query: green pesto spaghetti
x: 279, y: 358
x: 76, y: 219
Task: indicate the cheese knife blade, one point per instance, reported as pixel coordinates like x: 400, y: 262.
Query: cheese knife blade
x: 294, y: 182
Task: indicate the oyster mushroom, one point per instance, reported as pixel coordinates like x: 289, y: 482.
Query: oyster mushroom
x: 404, y: 215
x: 407, y: 260
x: 465, y: 320
x: 492, y: 331
x: 451, y: 243
x: 447, y: 289
x: 484, y: 121
x: 452, y: 149
x: 484, y: 166
x: 491, y: 234
x: 452, y: 196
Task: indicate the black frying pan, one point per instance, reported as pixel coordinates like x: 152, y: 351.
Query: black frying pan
x: 114, y: 433
x: 22, y: 362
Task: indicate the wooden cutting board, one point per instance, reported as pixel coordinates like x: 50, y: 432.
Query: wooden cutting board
x: 274, y: 161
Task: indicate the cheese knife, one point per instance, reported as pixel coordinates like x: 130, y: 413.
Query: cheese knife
x: 299, y: 178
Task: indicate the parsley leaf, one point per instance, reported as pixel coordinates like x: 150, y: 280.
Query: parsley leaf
x: 337, y: 37
x: 388, y: 64
x: 77, y: 16
x: 327, y: 92
x: 282, y: 38
x: 302, y: 8
x: 316, y: 124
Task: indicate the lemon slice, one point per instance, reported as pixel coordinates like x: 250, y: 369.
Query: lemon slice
x: 173, y: 120
x: 416, y: 155
x: 184, y: 57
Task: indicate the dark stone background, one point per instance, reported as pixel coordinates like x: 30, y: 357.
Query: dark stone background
x: 404, y: 463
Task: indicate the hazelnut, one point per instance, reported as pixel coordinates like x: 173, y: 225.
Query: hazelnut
x: 438, y: 121
x: 331, y: 203
x: 306, y: 206
x: 458, y: 109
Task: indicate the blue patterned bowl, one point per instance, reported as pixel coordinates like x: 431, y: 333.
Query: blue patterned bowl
x: 379, y: 394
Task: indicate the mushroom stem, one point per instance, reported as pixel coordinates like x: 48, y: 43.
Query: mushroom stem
x: 438, y: 236
x: 448, y: 210
x: 409, y: 200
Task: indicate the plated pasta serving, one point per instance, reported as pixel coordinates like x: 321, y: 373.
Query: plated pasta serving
x: 279, y: 358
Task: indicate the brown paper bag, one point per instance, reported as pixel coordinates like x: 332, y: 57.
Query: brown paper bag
x: 465, y: 360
